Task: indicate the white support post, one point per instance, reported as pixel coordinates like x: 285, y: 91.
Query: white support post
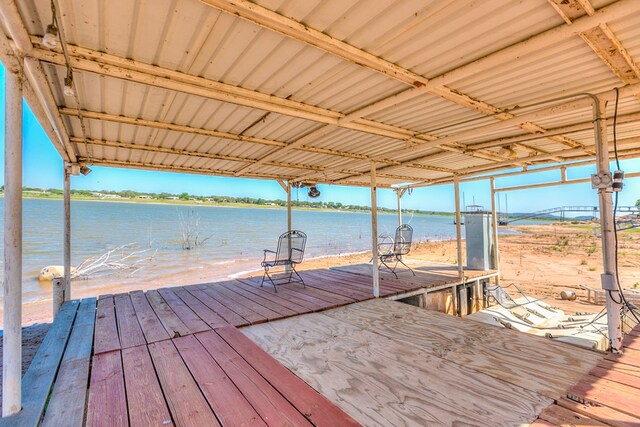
x: 399, y: 193
x: 494, y: 222
x: 287, y: 267
x: 12, y: 337
x: 607, y: 224
x: 67, y: 234
x: 456, y: 186
x: 374, y: 233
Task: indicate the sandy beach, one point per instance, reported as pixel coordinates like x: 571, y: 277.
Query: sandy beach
x: 543, y: 260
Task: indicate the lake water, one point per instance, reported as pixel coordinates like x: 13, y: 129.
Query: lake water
x: 236, y: 237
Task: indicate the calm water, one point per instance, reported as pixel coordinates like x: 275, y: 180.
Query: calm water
x: 237, y: 237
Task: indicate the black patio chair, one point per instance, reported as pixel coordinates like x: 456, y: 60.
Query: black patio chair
x: 289, y: 253
x: 401, y: 246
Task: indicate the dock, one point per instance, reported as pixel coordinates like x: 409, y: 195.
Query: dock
x: 236, y: 353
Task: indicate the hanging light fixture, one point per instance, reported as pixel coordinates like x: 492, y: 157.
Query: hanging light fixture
x: 313, y: 192
x: 50, y: 38
x: 68, y: 84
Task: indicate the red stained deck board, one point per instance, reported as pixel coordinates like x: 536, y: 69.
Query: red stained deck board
x: 309, y: 303
x: 106, y: 332
x: 237, y: 301
x: 308, y: 401
x: 632, y: 342
x: 107, y: 400
x: 206, y: 314
x: 228, y: 403
x: 557, y: 415
x: 542, y: 423
x: 228, y: 315
x: 324, y: 296
x: 187, y: 405
x: 604, y: 414
x: 171, y: 322
x: 149, y: 322
x: 329, y: 284
x: 271, y: 296
x: 616, y: 376
x: 274, y: 409
x: 616, y: 396
x: 276, y: 307
x: 629, y: 357
x: 145, y: 401
x: 128, y: 327
x: 186, y: 315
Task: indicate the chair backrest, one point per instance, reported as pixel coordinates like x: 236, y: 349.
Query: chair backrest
x: 402, y: 241
x: 291, y: 246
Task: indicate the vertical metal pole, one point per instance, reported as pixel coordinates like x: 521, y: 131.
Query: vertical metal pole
x: 67, y: 234
x: 456, y: 186
x: 494, y: 221
x: 374, y: 233
x: 607, y: 222
x: 12, y: 337
x: 399, y: 193
x: 287, y: 267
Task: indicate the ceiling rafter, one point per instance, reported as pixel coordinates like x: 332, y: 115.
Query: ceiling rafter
x: 273, y: 21
x: 601, y: 40
x: 94, y: 115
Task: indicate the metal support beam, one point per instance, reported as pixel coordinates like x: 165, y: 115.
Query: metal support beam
x: 494, y: 220
x: 374, y: 233
x: 67, y: 234
x: 607, y: 224
x: 456, y: 187
x: 12, y: 337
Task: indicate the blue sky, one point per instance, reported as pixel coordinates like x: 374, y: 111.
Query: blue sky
x: 43, y: 168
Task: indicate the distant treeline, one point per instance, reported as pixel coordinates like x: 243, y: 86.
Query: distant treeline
x: 130, y: 194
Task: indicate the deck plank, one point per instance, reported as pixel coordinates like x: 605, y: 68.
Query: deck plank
x: 228, y: 315
x: 39, y: 378
x: 206, y: 314
x: 129, y: 328
x: 107, y: 399
x: 228, y: 403
x: 169, y: 319
x: 532, y: 361
x: 277, y: 308
x: 327, y: 283
x: 604, y: 414
x: 274, y: 409
x: 237, y: 302
x: 617, y: 396
x: 149, y: 322
x: 381, y: 381
x: 187, y: 404
x: 271, y: 296
x: 145, y: 400
x: 308, y: 401
x: 106, y: 335
x: 69, y: 395
x: 557, y: 415
x: 184, y: 313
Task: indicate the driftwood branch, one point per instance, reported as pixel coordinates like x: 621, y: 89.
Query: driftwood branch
x: 121, y: 259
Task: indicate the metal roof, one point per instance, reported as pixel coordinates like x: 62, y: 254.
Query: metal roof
x: 317, y: 90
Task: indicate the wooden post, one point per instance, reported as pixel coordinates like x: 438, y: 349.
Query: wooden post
x: 374, y: 233
x: 287, y: 267
x: 607, y: 224
x: 12, y: 337
x: 494, y: 223
x: 399, y: 193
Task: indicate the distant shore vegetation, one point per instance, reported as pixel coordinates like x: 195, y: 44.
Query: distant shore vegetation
x: 212, y: 200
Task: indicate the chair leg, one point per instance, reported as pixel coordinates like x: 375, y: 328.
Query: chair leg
x: 293, y: 270
x: 410, y: 269
x: 268, y: 276
x: 388, y: 268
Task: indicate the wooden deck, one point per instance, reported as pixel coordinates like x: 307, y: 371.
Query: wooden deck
x: 387, y: 363
x: 609, y: 395
x: 324, y: 354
